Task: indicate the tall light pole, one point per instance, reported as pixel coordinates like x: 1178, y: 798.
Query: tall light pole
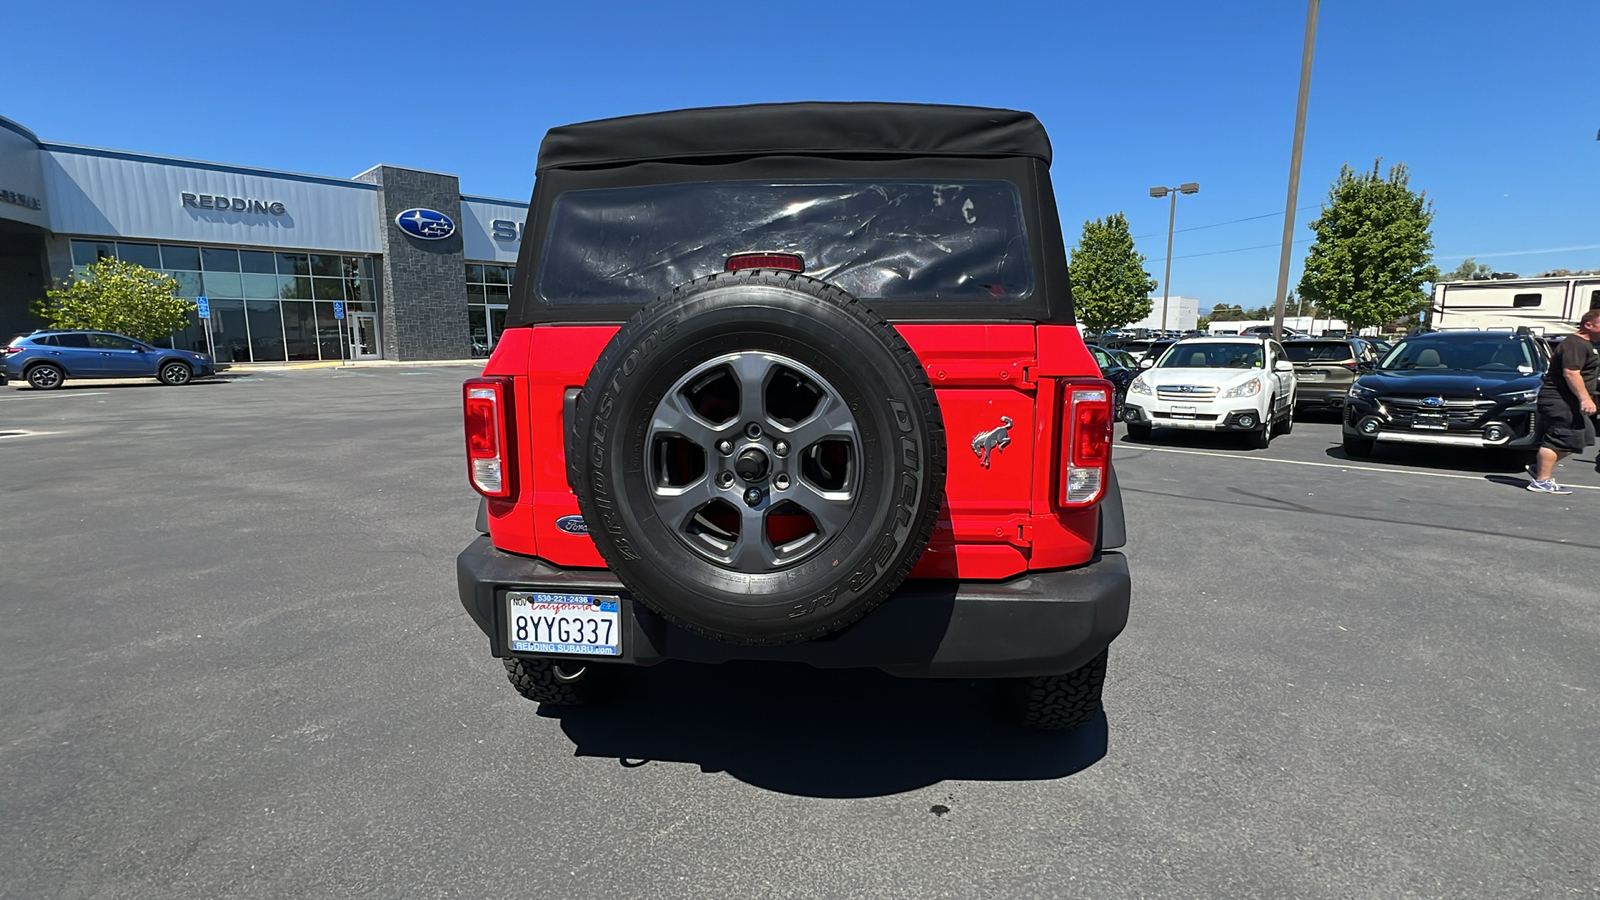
x: 1294, y: 169
x: 1188, y: 187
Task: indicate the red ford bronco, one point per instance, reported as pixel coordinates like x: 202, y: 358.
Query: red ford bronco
x: 797, y: 382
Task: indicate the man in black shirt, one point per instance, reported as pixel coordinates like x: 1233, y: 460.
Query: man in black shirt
x: 1567, y: 403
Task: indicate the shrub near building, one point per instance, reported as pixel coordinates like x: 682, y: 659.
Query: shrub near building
x: 120, y: 297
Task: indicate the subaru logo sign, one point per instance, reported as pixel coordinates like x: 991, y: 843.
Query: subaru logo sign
x: 1433, y: 402
x: 427, y: 224
x: 573, y: 525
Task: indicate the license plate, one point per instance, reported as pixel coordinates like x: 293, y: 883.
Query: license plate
x: 1185, y: 411
x: 1310, y: 376
x: 1430, y: 421
x: 563, y: 623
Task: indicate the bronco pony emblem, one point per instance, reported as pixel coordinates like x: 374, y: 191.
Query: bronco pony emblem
x: 986, y: 442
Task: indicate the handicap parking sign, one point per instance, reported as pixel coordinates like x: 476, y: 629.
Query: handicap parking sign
x: 338, y: 309
x: 204, y: 303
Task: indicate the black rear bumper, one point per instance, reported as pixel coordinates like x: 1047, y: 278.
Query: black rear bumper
x: 1042, y: 623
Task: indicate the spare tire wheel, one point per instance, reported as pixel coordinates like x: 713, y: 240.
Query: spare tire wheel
x: 759, y: 456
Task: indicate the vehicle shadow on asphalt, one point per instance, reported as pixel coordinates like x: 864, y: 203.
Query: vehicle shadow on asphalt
x: 793, y: 729
x: 1471, y: 461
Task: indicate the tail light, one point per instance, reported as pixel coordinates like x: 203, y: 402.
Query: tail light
x: 1086, y: 430
x: 10, y: 350
x: 491, y: 461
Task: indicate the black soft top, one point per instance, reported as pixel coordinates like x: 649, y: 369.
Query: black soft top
x: 870, y: 129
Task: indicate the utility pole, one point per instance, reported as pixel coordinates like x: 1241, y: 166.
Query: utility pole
x: 1294, y: 169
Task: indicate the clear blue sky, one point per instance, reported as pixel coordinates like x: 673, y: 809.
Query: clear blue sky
x: 1495, y: 106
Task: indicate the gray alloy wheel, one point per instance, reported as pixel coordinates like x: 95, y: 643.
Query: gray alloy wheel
x: 46, y: 377
x: 175, y: 373
x: 767, y: 459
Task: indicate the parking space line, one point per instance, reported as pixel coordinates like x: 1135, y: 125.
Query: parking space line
x: 61, y: 394
x: 1323, y: 465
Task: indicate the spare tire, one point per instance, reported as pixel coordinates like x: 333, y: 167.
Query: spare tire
x: 759, y: 456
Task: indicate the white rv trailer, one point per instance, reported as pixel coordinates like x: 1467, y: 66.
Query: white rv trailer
x: 1545, y: 305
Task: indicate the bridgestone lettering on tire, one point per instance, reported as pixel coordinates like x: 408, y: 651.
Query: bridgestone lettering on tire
x: 760, y: 457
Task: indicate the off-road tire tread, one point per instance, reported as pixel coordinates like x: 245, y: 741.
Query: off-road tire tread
x: 536, y: 680
x: 904, y: 357
x: 1064, y: 702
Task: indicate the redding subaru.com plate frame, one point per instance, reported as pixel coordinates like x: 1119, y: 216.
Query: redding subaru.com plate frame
x: 576, y: 624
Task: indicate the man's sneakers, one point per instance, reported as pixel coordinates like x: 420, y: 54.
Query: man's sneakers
x: 1548, y: 486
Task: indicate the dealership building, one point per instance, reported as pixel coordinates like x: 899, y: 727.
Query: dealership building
x: 393, y: 263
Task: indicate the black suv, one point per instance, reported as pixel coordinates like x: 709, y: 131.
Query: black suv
x: 1461, y: 388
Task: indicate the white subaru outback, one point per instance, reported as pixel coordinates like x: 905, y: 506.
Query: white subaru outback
x: 1235, y: 383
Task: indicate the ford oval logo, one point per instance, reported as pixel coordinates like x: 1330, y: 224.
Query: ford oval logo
x: 573, y: 525
x: 1433, y: 402
x: 428, y: 224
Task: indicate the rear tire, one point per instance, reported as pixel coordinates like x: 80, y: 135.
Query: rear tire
x: 1138, y: 432
x: 559, y: 682
x: 175, y: 373
x: 1060, y: 702
x: 1354, y: 446
x: 46, y: 376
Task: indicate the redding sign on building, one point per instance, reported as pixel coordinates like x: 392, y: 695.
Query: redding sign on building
x: 232, y: 204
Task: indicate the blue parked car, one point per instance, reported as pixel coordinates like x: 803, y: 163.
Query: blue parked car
x: 48, y: 358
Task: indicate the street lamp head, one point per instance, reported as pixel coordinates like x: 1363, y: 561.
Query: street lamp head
x: 1159, y: 191
x: 1189, y: 187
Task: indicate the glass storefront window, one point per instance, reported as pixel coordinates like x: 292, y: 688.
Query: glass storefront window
x: 261, y: 262
x: 327, y: 266
x: 267, y: 306
x: 187, y: 258
x: 188, y: 284
x: 300, y: 329
x: 219, y: 260
x: 266, y: 330
x: 330, y: 337
x: 86, y: 253
x: 229, y: 332
x: 260, y: 287
x: 327, y: 288
x: 221, y: 284
x: 144, y: 254
x: 488, y: 293
x: 294, y: 264
x: 478, y: 325
x: 294, y: 288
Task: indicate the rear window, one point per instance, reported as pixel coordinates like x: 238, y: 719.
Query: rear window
x: 879, y: 240
x: 72, y: 340
x: 1322, y: 351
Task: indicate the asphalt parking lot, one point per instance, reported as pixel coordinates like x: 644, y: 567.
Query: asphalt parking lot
x: 232, y: 664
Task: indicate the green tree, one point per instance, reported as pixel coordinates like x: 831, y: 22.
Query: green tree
x: 1110, y: 286
x: 1373, y: 249
x: 1224, y: 312
x: 112, y: 295
x: 1469, y: 270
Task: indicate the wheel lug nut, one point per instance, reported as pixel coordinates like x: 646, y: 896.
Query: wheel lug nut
x: 725, y: 447
x: 725, y: 479
x: 752, y: 496
x: 781, y: 482
x: 752, y: 431
x: 782, y: 448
